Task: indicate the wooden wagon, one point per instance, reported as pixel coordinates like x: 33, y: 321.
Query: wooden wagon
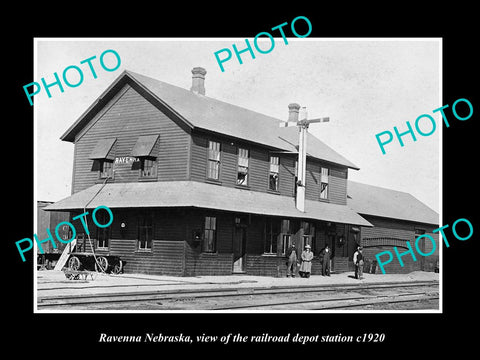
x: 81, y: 261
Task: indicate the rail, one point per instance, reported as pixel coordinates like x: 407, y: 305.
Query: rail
x: 243, y: 297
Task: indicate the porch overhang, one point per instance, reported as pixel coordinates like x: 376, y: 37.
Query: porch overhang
x: 170, y: 194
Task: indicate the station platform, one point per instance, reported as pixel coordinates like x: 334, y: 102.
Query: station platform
x: 54, y: 283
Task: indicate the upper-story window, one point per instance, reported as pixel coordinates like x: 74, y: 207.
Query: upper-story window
x: 273, y: 176
x: 106, y: 168
x: 324, y: 183
x: 242, y: 171
x: 145, y: 151
x: 295, y: 181
x: 148, y: 168
x: 213, y: 169
x: 103, y: 156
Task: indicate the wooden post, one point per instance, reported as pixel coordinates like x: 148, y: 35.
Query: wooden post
x: 302, y: 124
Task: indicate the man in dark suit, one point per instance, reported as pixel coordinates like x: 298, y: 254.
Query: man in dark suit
x: 358, y: 262
x: 292, y: 258
x: 325, y: 255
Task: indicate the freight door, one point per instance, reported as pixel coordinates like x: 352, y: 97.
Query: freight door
x: 421, y: 245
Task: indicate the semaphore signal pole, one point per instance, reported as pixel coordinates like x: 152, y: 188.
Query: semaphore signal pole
x: 302, y: 125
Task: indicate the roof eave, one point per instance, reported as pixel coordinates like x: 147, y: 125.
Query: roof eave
x: 71, y: 132
x: 124, y: 78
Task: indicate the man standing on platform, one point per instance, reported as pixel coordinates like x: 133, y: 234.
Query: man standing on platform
x: 358, y: 262
x: 292, y: 258
x: 325, y: 255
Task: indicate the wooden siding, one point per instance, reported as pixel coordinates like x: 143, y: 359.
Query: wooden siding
x: 175, y: 251
x: 50, y: 220
x: 259, y: 166
x: 220, y: 262
x: 388, y: 233
x: 166, y: 257
x: 198, y: 263
x: 337, y: 182
x: 286, y: 175
x: 127, y: 116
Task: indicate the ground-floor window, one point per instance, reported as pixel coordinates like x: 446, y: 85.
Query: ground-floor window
x: 210, y: 234
x: 286, y: 242
x: 145, y: 232
x: 308, y: 235
x: 272, y: 231
x: 277, y: 236
x: 287, y: 231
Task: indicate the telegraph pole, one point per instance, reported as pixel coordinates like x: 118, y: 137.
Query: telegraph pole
x: 302, y: 125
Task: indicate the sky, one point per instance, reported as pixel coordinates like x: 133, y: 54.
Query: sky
x: 365, y: 86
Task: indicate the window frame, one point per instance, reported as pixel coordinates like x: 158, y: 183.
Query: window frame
x: 272, y: 172
x: 141, y: 224
x: 153, y: 166
x: 212, y: 243
x: 213, y: 162
x: 309, y: 233
x: 102, y: 174
x: 324, y: 183
x: 243, y: 162
x: 271, y: 237
x: 286, y: 235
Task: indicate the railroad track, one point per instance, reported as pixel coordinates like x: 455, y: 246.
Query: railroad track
x: 339, y: 302
x: 319, y: 297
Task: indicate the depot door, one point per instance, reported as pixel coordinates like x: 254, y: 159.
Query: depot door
x: 239, y: 246
x: 419, y: 233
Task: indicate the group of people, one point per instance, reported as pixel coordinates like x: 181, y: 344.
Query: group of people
x: 306, y: 257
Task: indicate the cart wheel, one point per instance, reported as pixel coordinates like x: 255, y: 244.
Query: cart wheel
x: 74, y: 263
x: 101, y: 265
x: 117, y: 269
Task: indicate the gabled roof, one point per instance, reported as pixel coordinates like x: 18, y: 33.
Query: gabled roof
x: 206, y: 196
x: 373, y: 200
x: 203, y: 112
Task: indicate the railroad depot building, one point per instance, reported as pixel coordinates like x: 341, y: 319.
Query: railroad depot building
x: 198, y: 186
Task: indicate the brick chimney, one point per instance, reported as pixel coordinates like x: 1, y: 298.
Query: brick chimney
x: 293, y: 110
x: 198, y: 80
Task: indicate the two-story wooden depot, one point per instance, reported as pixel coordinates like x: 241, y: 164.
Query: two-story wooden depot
x: 198, y: 186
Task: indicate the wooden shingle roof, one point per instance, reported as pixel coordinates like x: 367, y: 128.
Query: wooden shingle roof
x: 202, y: 112
x: 167, y: 194
x: 377, y: 201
